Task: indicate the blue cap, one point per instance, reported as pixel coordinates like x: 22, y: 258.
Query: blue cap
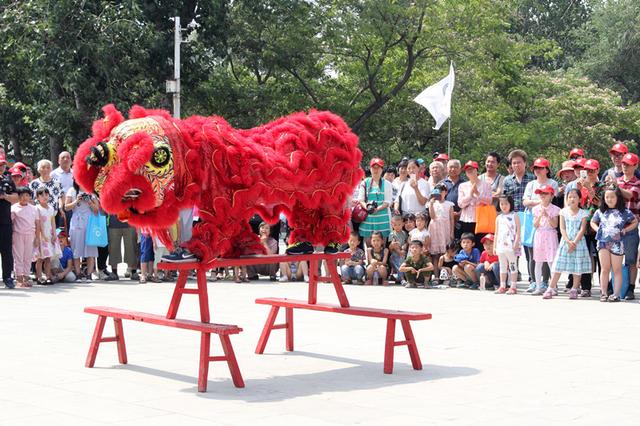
x: 420, y: 161
x: 435, y: 192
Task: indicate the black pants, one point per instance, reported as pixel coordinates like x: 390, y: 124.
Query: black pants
x: 6, y: 243
x: 470, y: 227
x: 103, y: 253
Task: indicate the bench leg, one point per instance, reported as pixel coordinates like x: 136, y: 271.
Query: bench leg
x: 389, y: 346
x: 289, y: 324
x: 411, y: 345
x: 122, y: 348
x: 203, y: 371
x: 337, y: 283
x: 95, y: 342
x: 313, y: 282
x: 203, y: 297
x: 231, y: 361
x: 177, y: 294
x: 266, y: 331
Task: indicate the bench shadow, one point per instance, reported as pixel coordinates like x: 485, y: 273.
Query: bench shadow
x: 362, y: 375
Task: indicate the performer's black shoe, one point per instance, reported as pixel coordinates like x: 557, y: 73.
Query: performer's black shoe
x: 300, y: 248
x: 332, y: 248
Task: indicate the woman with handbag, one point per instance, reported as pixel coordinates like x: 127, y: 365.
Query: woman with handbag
x: 472, y: 194
x: 83, y: 205
x: 375, y: 197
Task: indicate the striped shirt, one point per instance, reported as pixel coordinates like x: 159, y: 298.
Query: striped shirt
x: 516, y: 189
x: 633, y: 186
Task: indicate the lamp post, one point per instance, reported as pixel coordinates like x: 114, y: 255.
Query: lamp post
x: 173, y: 86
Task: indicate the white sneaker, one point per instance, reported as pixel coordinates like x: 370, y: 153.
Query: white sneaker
x: 283, y: 279
x: 538, y: 291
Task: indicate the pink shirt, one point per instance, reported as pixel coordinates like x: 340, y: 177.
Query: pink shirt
x: 468, y: 201
x: 24, y: 218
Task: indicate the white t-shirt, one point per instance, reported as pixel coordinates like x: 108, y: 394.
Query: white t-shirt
x: 417, y: 234
x: 65, y: 179
x: 410, y: 202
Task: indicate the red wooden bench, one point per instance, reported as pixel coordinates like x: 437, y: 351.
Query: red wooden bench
x: 184, y: 269
x: 205, y: 329
x: 390, y: 315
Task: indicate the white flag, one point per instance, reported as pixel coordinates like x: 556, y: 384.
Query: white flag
x: 437, y: 98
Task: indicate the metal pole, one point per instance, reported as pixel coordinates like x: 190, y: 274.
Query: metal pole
x: 449, y: 140
x: 176, y: 67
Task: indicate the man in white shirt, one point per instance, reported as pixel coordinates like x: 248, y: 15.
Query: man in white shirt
x: 64, y: 175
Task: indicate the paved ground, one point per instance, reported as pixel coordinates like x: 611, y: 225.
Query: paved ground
x: 488, y: 359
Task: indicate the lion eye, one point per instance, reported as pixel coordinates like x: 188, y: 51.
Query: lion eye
x: 161, y: 156
x: 99, y: 155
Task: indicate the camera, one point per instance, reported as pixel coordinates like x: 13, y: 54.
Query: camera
x: 5, y: 186
x: 372, y: 206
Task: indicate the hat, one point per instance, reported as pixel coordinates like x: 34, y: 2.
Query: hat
x: 15, y: 172
x: 541, y: 162
x: 375, y: 161
x: 619, y: 148
x: 435, y: 192
x: 591, y: 164
x: 442, y: 157
x: 488, y: 237
x: 576, y: 151
x: 20, y: 166
x: 630, y: 159
x: 3, y: 159
x: 567, y: 166
x: 420, y: 161
x: 579, y: 163
x: 470, y: 164
x: 546, y: 189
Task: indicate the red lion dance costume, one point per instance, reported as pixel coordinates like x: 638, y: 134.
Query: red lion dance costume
x: 148, y: 167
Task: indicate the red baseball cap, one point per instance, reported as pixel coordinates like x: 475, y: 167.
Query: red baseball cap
x: 576, y: 151
x: 15, y: 172
x: 546, y: 189
x: 619, y: 148
x: 3, y: 159
x: 375, y: 161
x: 541, y: 163
x: 470, y: 164
x: 488, y: 237
x: 579, y: 163
x: 630, y: 159
x: 591, y: 164
x: 567, y: 166
x: 442, y: 157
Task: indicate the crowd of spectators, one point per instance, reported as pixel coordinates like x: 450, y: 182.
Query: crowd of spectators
x: 441, y: 223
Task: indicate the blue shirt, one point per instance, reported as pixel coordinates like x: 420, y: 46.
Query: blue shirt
x: 67, y: 255
x: 473, y: 257
x: 610, y: 224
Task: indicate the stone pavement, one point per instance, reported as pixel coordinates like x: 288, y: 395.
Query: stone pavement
x: 488, y: 359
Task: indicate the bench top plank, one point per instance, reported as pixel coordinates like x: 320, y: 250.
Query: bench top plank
x: 259, y: 259
x: 352, y: 310
x: 223, y: 329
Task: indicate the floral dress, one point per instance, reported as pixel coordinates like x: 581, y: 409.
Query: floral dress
x: 610, y: 225
x: 578, y: 261
x: 506, y: 233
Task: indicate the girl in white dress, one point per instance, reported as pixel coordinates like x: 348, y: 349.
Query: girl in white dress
x: 507, y: 243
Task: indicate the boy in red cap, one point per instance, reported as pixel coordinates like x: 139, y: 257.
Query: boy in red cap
x: 488, y: 270
x: 616, y: 153
x: 576, y: 153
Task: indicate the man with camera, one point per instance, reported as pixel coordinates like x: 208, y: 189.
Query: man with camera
x: 8, y: 196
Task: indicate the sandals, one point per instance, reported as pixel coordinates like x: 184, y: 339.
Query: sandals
x: 573, y: 293
x: 500, y: 290
x: 604, y: 298
x: 613, y: 298
x: 512, y: 290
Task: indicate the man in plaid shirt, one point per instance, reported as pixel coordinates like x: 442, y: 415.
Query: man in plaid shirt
x: 516, y: 183
x: 629, y: 186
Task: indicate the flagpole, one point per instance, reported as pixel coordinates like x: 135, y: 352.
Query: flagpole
x: 449, y: 139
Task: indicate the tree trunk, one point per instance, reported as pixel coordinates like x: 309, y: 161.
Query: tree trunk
x: 55, y: 148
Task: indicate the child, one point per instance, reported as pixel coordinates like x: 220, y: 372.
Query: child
x: 409, y: 222
x: 293, y: 271
x: 545, y: 240
x: 45, y: 236
x: 441, y: 225
x: 488, y: 270
x: 353, y: 269
x: 398, y: 239
x: 417, y: 267
x: 146, y: 256
x: 378, y: 257
x: 611, y: 222
x: 447, y: 262
x: 62, y: 267
x: 507, y: 244
x: 467, y: 258
x: 420, y: 232
x: 572, y: 255
x: 271, y: 247
x: 24, y: 216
